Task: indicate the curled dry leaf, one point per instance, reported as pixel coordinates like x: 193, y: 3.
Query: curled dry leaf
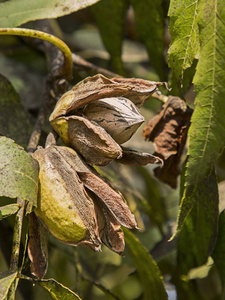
x: 168, y: 132
x: 99, y: 114
x: 76, y: 205
x: 135, y: 158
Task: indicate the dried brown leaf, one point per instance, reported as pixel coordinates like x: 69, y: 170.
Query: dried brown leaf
x: 37, y: 247
x: 168, y: 132
x: 135, y: 158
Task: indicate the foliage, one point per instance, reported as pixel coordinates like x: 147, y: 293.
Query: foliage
x: 177, y: 41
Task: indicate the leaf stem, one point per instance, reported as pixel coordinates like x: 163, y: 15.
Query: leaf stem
x: 17, y: 236
x: 68, y: 63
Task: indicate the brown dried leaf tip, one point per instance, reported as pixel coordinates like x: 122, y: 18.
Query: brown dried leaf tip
x: 100, y: 114
x: 76, y: 205
x: 168, y: 132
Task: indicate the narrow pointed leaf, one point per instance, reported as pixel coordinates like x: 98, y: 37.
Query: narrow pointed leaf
x: 18, y: 172
x: 200, y: 227
x: 14, y: 13
x: 149, y: 19
x: 57, y: 290
x: 8, y: 210
x: 148, y: 271
x: 184, y: 32
x: 6, y: 280
x: 207, y: 131
x: 110, y: 18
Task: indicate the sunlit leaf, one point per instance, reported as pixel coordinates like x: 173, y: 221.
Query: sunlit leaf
x: 57, y: 290
x: 14, y: 13
x: 200, y: 227
x: 18, y: 172
x: 148, y: 271
x: 8, y: 210
x: 6, y: 280
x: 110, y: 18
x: 149, y: 20
x: 207, y: 131
x: 14, y: 120
x: 184, y: 32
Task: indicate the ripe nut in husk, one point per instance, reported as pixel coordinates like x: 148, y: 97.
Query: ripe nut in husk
x: 63, y: 204
x: 116, y: 100
x: 117, y: 115
x: 76, y: 205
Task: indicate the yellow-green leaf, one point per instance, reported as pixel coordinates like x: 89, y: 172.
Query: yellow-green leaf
x: 57, y: 290
x: 6, y: 280
x: 8, y: 210
x: 18, y: 172
x: 14, y: 13
x: 184, y: 32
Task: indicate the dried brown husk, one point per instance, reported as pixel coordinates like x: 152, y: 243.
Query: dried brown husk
x: 91, y: 140
x: 66, y: 207
x: 168, y: 132
x: 97, y: 87
x: 63, y: 204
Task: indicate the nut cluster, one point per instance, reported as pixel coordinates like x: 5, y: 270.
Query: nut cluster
x: 93, y: 119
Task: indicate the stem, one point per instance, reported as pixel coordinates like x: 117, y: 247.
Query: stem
x: 17, y: 236
x: 80, y: 61
x: 68, y: 63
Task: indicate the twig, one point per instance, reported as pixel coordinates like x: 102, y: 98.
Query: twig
x: 101, y: 287
x: 79, y: 61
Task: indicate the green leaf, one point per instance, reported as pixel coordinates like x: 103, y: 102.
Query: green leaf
x: 6, y: 280
x: 149, y: 19
x: 207, y: 131
x: 14, y: 120
x: 200, y: 227
x: 8, y: 210
x: 57, y: 290
x: 148, y: 271
x: 219, y: 250
x: 18, y: 172
x: 110, y: 18
x: 14, y: 13
x: 184, y: 32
